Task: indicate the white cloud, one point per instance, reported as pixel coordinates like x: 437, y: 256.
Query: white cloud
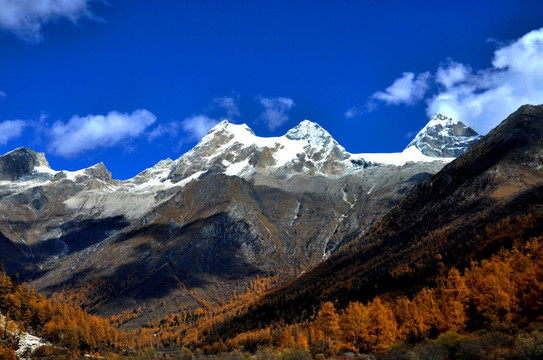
x: 229, y: 104
x: 171, y: 129
x: 405, y: 90
x: 452, y: 74
x: 275, y: 110
x: 81, y: 134
x: 198, y: 126
x: 353, y: 112
x: 25, y: 18
x: 11, y: 129
x: 484, y: 98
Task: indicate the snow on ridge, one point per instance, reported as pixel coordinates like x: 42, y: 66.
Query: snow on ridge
x: 437, y: 120
x: 440, y: 119
x: 242, y: 132
x: 410, y: 154
x: 444, y: 136
x: 44, y: 170
x: 284, y: 149
x: 187, y: 180
x: 241, y: 168
x: 232, y: 147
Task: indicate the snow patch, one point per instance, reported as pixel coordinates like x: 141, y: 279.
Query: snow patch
x: 28, y: 343
x: 187, y: 180
x: 346, y: 197
x: 411, y: 154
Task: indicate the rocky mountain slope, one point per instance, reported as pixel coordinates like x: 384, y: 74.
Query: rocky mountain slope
x: 489, y: 198
x: 235, y: 207
x: 444, y: 137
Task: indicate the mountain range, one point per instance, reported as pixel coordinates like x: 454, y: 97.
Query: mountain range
x: 234, y: 208
x: 488, y: 199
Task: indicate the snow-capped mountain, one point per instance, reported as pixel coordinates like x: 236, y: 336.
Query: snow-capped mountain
x: 444, y: 137
x: 305, y: 149
x: 235, y: 150
x: 235, y: 206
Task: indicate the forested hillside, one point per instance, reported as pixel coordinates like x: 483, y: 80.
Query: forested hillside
x: 491, y: 198
x: 455, y: 270
x: 69, y: 329
x: 493, y: 308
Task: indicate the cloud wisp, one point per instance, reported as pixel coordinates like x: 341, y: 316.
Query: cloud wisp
x: 483, y: 98
x: 275, y: 110
x: 11, y: 129
x: 2, y: 94
x: 196, y: 127
x: 229, y: 105
x: 353, y: 112
x: 90, y: 132
x: 452, y: 73
x: 25, y: 18
x: 405, y: 90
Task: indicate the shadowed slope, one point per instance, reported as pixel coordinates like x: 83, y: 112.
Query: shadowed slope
x: 461, y: 213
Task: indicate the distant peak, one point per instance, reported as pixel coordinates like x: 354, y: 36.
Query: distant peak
x: 223, y: 123
x: 99, y: 171
x: 441, y: 119
x: 441, y: 116
x: 307, y: 130
x: 99, y: 165
x: 444, y: 136
x: 308, y: 123
x: 228, y: 126
x: 220, y: 126
x: 20, y: 162
x: 40, y: 159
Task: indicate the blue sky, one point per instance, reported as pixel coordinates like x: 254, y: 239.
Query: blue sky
x: 132, y: 82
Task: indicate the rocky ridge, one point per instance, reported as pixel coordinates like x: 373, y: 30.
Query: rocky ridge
x: 444, y: 137
x: 234, y: 207
x: 487, y: 201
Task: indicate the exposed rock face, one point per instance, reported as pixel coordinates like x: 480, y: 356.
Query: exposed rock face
x: 444, y: 137
x: 20, y: 162
x: 235, y: 150
x: 488, y: 199
x: 100, y: 172
x: 234, y: 207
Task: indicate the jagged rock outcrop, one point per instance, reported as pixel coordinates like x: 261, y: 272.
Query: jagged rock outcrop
x: 20, y: 162
x: 444, y: 137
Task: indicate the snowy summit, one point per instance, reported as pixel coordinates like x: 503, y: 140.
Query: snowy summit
x: 444, y: 136
x: 235, y: 150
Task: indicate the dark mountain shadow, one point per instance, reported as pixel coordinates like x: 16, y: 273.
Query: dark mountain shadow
x: 80, y: 235
x: 418, y: 178
x: 465, y: 212
x: 12, y: 255
x: 171, y: 258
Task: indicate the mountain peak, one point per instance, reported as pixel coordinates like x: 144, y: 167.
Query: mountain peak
x: 305, y: 130
x: 313, y: 133
x: 99, y: 171
x: 226, y: 125
x: 444, y: 136
x: 20, y: 162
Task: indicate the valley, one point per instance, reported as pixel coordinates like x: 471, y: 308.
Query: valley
x: 261, y: 242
